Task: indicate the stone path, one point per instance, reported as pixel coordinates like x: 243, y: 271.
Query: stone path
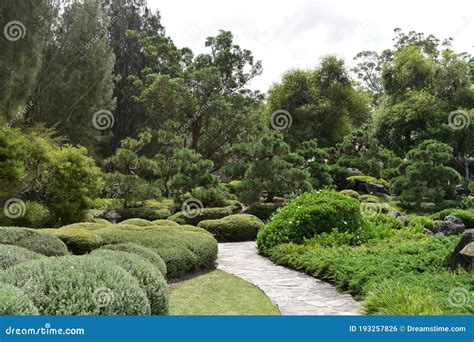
x: 294, y: 292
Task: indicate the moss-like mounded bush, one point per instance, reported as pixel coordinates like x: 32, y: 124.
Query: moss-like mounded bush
x: 33, y: 240
x: 12, y: 255
x: 238, y: 227
x: 144, y: 252
x: 184, y: 249
x: 165, y: 223
x: 367, y: 179
x: 351, y: 193
x: 138, y: 222
x: 150, y: 277
x: 263, y: 210
x: 145, y: 213
x: 78, y: 285
x: 235, y: 205
x: 310, y: 214
x: 466, y: 215
x: 102, y: 221
x: 85, y: 225
x: 206, y: 214
x: 78, y: 241
x: 13, y: 302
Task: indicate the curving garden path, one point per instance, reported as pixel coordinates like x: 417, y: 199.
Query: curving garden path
x: 294, y: 292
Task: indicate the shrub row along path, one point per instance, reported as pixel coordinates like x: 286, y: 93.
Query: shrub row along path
x: 294, y: 292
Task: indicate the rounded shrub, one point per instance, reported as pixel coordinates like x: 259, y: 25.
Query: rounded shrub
x: 238, y: 227
x: 351, y: 193
x: 13, y: 302
x: 145, y: 213
x: 165, y: 223
x: 138, y: 222
x: 78, y: 241
x: 149, y: 277
x: 12, y: 255
x: 310, y: 214
x: 102, y: 221
x: 205, y: 214
x: 85, y: 225
x: 78, y: 285
x: 263, y: 210
x: 184, y: 249
x: 144, y: 252
x: 33, y: 240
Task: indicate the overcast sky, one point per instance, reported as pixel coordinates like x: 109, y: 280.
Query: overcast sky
x: 297, y: 33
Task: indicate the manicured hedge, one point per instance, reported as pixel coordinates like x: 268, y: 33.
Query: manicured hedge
x: 85, y: 225
x: 310, y: 214
x: 33, y: 240
x: 351, y: 193
x: 165, y: 223
x: 14, y: 302
x: 150, y: 277
x: 238, y: 227
x: 101, y: 221
x: 183, y: 248
x: 263, y: 210
x: 206, y: 214
x: 144, y: 252
x: 12, y: 255
x: 78, y: 285
x: 138, y: 222
x: 144, y: 213
x: 78, y: 241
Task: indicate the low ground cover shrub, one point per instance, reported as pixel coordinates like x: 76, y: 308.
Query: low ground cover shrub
x: 78, y: 285
x: 237, y: 227
x: 150, y: 277
x: 12, y: 255
x: 418, y: 264
x: 367, y: 179
x: 15, y: 302
x: 204, y: 214
x: 310, y: 214
x: 351, y: 193
x: 78, y: 241
x: 165, y: 223
x: 144, y: 252
x: 33, y: 240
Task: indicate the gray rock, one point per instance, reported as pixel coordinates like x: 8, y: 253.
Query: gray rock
x: 112, y: 216
x: 439, y: 234
x: 352, y: 171
x: 400, y: 217
x: 459, y: 256
x: 426, y: 231
x: 451, y: 225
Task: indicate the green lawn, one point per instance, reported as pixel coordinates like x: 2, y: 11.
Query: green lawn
x: 219, y: 293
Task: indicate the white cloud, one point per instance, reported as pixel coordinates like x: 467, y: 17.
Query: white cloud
x: 290, y: 34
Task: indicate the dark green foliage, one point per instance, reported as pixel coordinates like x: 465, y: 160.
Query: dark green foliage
x: 263, y: 210
x: 310, y: 214
x: 12, y: 255
x: 33, y: 240
x: 426, y: 178
x: 204, y: 214
x: 78, y: 285
x: 13, y: 302
x: 144, y: 252
x: 322, y: 102
x: 415, y: 263
x: 78, y: 241
x: 238, y: 227
x: 150, y: 278
x: 145, y: 213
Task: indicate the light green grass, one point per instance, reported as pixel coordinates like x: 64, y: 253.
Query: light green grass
x: 219, y: 293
